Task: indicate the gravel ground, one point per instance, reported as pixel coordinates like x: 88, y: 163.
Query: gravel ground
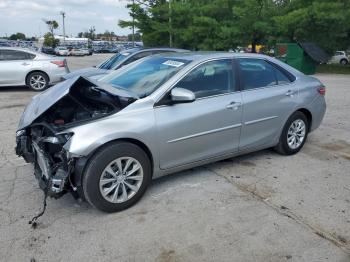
x: 257, y: 207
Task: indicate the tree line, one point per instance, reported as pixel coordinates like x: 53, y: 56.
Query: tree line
x: 226, y: 24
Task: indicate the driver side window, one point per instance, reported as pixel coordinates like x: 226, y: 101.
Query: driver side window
x: 210, y: 78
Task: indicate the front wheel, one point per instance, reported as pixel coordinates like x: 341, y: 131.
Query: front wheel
x: 293, y: 135
x: 116, y: 177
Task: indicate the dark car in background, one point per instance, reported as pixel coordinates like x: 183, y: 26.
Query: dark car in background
x: 119, y: 60
x: 48, y: 50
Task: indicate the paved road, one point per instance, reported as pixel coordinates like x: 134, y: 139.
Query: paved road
x: 258, y: 207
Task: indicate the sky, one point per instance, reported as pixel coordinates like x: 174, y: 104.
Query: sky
x: 26, y: 16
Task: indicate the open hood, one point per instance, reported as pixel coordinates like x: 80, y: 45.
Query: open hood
x: 77, y: 89
x: 86, y: 72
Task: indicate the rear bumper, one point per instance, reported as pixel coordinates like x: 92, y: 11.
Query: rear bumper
x: 56, y: 75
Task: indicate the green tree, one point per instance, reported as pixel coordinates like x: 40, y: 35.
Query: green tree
x: 52, y: 25
x: 325, y: 23
x: 49, y: 40
x: 91, y: 33
x: 225, y: 24
x: 17, y: 36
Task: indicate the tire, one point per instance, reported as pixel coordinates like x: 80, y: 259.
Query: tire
x: 285, y: 148
x: 37, y: 81
x: 344, y: 62
x: 99, y: 171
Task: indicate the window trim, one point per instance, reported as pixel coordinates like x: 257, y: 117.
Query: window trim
x: 234, y: 70
x: 289, y: 75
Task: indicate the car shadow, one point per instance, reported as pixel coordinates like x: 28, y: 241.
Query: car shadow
x: 246, y: 159
x: 15, y: 89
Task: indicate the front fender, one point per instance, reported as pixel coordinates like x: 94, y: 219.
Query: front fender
x: 137, y: 125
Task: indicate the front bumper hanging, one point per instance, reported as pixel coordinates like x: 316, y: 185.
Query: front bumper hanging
x: 51, y: 169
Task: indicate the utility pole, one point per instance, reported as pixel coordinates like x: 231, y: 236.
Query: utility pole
x: 64, y: 30
x: 133, y: 23
x: 170, y: 28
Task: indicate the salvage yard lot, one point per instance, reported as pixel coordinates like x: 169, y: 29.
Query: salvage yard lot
x: 257, y: 207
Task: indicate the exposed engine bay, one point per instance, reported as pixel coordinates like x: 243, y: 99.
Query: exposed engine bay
x: 42, y: 141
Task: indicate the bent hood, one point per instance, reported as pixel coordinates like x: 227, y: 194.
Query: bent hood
x: 86, y: 72
x: 43, y: 101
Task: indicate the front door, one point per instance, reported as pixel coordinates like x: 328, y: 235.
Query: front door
x: 209, y: 126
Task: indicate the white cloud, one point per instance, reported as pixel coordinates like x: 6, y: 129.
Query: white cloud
x: 26, y: 15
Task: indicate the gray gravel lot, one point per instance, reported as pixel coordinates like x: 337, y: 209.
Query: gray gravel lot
x: 257, y: 207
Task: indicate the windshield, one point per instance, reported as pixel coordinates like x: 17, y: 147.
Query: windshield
x: 143, y: 78
x: 111, y: 62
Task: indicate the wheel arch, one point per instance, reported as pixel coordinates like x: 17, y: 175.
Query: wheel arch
x: 344, y: 59
x: 308, y: 115
x: 303, y: 110
x: 81, y: 163
x: 36, y: 71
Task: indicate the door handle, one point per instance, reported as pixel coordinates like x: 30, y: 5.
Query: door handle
x: 25, y: 64
x: 290, y: 93
x: 233, y: 105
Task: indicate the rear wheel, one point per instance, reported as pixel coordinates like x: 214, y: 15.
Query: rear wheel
x: 344, y: 62
x: 38, y: 81
x: 293, y: 135
x: 117, y: 177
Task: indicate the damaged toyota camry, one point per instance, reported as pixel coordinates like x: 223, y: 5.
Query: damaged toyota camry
x: 104, y: 141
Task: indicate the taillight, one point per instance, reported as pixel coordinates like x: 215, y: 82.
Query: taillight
x: 322, y: 90
x: 59, y: 63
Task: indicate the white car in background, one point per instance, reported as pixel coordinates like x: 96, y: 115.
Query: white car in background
x: 339, y: 57
x: 62, y: 51
x: 85, y: 50
x: 23, y: 67
x: 77, y: 52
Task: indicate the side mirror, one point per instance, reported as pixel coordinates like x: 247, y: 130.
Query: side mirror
x: 182, y: 95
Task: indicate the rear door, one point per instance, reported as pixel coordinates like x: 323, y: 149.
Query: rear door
x: 269, y: 96
x: 14, y: 66
x: 209, y: 126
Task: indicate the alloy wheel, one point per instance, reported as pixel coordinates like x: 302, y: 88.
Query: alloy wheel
x: 37, y: 82
x: 121, y: 179
x: 296, y: 134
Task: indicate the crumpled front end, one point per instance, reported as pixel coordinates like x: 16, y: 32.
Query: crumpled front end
x: 53, y: 166
x: 43, y: 134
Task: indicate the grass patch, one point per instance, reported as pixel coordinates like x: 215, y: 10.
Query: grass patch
x: 333, y: 69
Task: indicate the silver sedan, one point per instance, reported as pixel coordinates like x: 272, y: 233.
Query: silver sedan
x: 19, y: 67
x: 104, y: 141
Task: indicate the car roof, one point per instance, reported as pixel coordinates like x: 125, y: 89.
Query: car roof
x: 140, y: 49
x: 200, y: 55
x: 16, y: 48
x: 19, y: 49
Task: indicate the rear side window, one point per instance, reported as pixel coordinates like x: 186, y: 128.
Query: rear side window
x: 11, y: 55
x: 258, y: 73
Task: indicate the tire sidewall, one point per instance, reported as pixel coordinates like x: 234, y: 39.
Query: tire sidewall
x: 35, y: 74
x: 283, y: 139
x: 98, y: 163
